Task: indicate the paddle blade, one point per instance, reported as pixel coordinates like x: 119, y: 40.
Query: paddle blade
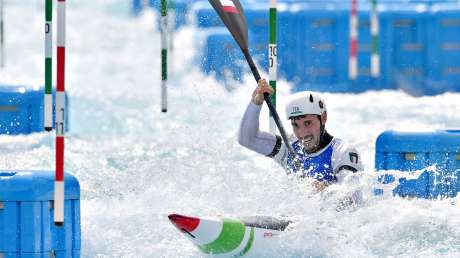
x: 231, y: 13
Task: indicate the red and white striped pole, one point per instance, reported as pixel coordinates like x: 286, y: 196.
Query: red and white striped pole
x: 353, y: 59
x: 60, y: 116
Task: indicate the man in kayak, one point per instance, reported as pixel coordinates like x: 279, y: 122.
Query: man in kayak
x: 322, y: 156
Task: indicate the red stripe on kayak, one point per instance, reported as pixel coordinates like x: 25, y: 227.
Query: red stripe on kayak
x: 183, y: 222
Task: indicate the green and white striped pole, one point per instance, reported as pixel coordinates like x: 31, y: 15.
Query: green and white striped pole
x: 375, y: 58
x: 272, y: 60
x: 2, y: 36
x: 171, y: 24
x: 48, y: 121
x: 171, y: 27
x: 164, y: 55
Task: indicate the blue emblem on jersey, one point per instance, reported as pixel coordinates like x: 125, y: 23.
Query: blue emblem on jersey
x: 318, y: 167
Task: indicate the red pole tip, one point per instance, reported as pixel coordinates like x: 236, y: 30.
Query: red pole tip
x: 184, y: 223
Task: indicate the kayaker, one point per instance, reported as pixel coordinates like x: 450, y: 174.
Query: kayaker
x: 323, y: 157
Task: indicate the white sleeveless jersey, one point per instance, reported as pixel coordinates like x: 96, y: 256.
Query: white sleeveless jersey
x: 325, y: 164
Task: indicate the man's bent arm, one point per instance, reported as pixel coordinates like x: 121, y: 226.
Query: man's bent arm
x: 251, y: 137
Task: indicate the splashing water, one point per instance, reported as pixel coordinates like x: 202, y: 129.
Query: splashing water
x: 136, y: 165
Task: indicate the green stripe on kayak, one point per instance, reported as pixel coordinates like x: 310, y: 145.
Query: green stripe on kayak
x: 230, y: 238
x: 248, y: 245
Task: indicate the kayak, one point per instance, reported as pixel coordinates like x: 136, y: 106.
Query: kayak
x: 229, y: 237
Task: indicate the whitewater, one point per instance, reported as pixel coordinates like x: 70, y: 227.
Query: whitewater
x: 136, y: 165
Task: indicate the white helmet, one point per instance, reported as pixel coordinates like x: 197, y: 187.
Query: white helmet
x: 305, y: 103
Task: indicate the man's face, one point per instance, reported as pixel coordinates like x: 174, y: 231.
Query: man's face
x: 307, y: 129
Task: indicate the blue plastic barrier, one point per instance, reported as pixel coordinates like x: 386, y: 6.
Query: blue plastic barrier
x: 411, y: 151
x: 409, y: 50
x: 26, y: 216
x: 136, y: 6
x: 22, y: 110
x: 257, y: 19
x: 221, y: 55
x: 419, y: 43
x: 181, y: 9
x: 204, y: 15
x: 444, y: 50
x: 318, y: 32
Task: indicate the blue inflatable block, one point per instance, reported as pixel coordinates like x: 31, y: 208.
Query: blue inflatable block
x: 222, y: 57
x: 286, y: 45
x: 205, y: 16
x: 386, y: 179
x: 181, y: 10
x: 26, y: 216
x: 411, y: 151
x: 418, y: 43
x: 419, y: 187
x: 136, y: 6
x: 320, y: 49
x: 410, y: 46
x: 257, y: 19
x: 378, y: 191
x: 22, y: 110
x: 444, y: 50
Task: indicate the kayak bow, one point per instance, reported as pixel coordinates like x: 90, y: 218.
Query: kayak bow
x: 229, y: 236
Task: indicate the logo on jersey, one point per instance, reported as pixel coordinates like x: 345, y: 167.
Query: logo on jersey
x: 353, y: 157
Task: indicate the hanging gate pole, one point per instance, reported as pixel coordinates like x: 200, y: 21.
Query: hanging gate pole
x: 48, y: 121
x: 375, y: 58
x: 164, y: 55
x: 60, y: 116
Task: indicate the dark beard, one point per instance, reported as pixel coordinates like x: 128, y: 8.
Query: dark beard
x: 324, y: 140
x: 313, y: 150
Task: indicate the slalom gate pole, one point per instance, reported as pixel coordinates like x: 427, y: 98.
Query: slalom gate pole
x: 164, y: 55
x: 171, y: 28
x: 375, y: 58
x: 48, y: 111
x: 2, y: 37
x: 60, y: 116
x: 353, y: 59
x: 272, y: 60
